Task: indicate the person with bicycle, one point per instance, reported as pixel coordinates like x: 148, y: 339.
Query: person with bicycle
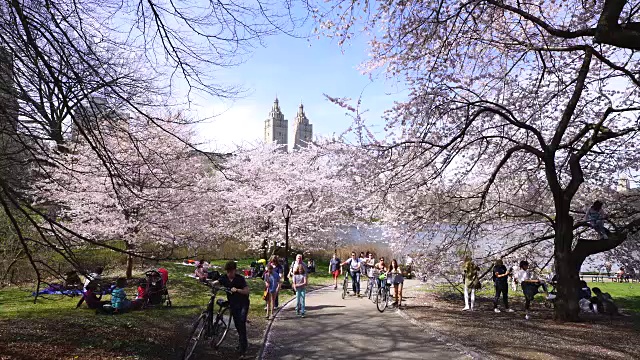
x: 381, y: 267
x: 354, y: 270
x: 238, y: 301
x: 370, y: 269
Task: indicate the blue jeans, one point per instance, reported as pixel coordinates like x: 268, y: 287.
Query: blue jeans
x: 239, y: 315
x: 300, y: 298
x: 355, y: 280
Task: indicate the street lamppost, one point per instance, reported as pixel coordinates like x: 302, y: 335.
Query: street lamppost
x: 286, y: 212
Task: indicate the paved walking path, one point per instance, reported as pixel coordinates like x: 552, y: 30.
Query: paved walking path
x: 349, y: 329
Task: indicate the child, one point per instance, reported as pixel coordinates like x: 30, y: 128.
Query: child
x: 300, y: 287
x: 595, y: 217
x: 142, y: 288
x: 119, y: 301
x: 271, y: 284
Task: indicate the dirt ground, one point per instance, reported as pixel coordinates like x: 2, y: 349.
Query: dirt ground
x: 509, y: 336
x: 72, y: 339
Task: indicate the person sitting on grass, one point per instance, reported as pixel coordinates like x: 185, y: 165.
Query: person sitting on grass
x: 530, y: 286
x: 201, y: 272
x: 119, y: 301
x: 93, y: 300
x: 95, y: 276
x: 603, y: 303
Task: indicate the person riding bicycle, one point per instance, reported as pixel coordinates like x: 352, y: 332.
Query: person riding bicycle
x: 354, y: 270
x: 238, y: 301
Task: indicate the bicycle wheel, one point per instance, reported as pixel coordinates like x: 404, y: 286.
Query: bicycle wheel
x: 383, y: 301
x: 374, y: 291
x: 221, y: 327
x: 344, y: 288
x: 195, y: 336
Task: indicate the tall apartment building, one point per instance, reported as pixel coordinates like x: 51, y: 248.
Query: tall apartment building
x: 276, y: 127
x: 303, y: 129
x: 97, y: 114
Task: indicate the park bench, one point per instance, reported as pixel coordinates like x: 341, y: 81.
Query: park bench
x: 594, y: 277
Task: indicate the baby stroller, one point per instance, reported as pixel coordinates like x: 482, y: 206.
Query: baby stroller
x: 154, y: 288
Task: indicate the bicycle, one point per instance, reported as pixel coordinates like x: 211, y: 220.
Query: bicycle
x: 384, y: 294
x: 345, y: 285
x: 372, y: 286
x: 210, y: 325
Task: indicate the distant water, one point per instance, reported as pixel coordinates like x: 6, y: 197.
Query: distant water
x: 380, y: 235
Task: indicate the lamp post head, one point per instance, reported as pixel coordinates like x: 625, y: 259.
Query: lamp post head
x: 286, y: 211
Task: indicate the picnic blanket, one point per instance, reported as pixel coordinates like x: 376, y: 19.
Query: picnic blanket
x: 58, y: 289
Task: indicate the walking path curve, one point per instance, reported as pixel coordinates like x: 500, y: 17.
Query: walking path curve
x: 349, y: 329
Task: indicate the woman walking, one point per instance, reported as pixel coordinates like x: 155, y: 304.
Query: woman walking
x: 470, y: 282
x: 300, y: 287
x: 397, y: 280
x: 271, y: 284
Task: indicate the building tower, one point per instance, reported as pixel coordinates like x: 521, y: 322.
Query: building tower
x: 624, y: 184
x: 276, y: 127
x: 303, y: 129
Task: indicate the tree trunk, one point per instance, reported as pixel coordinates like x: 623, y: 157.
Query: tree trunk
x: 568, y: 271
x: 129, y: 273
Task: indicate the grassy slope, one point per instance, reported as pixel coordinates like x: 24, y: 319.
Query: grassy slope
x: 153, y: 333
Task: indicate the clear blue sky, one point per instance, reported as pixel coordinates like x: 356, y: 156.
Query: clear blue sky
x: 296, y: 70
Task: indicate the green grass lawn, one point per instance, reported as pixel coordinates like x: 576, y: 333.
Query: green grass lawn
x: 139, y: 333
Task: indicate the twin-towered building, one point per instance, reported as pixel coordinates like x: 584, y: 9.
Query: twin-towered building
x: 276, y: 128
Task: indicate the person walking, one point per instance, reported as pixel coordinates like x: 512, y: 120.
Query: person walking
x: 530, y: 285
x: 354, y: 270
x: 278, y: 270
x: 294, y: 265
x: 300, y: 287
x: 238, y: 302
x: 500, y: 281
x: 271, y: 282
x: 470, y: 282
x: 335, y: 269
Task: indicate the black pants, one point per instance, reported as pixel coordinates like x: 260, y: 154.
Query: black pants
x: 239, y: 315
x: 501, y: 288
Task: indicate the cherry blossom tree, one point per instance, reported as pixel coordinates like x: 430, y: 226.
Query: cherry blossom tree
x: 318, y: 183
x: 519, y: 113
x: 153, y: 200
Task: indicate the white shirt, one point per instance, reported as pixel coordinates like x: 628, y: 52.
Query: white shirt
x: 354, y: 264
x: 91, y: 277
x: 524, y: 275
